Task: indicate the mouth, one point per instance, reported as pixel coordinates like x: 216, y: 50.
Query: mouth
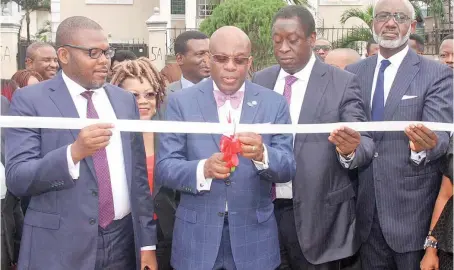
x: 390, y: 35
x: 229, y: 80
x: 144, y: 110
x: 287, y: 60
x: 102, y: 72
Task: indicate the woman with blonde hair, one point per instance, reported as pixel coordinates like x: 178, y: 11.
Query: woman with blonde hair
x: 143, y: 80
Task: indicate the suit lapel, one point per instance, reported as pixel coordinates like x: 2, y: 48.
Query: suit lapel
x: 208, y: 107
x: 270, y: 81
x: 367, y: 81
x: 118, y: 104
x: 314, y: 92
x: 248, y: 112
x: 62, y: 99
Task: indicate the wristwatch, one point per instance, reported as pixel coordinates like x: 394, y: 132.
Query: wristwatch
x: 430, y: 243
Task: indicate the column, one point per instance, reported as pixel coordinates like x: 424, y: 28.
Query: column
x: 164, y: 11
x: 9, y: 31
x: 157, y: 34
x: 55, y: 17
x: 191, y: 14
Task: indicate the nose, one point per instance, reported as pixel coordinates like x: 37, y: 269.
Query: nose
x: 54, y: 64
x: 450, y: 58
x: 230, y: 65
x: 321, y: 51
x: 284, y: 47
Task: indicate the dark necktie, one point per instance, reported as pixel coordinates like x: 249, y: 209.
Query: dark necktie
x: 289, y: 81
x: 105, y: 197
x: 378, y: 102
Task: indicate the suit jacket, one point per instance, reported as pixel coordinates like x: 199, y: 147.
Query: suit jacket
x: 200, y: 215
x: 404, y: 193
x: 61, y: 228
x: 323, y: 195
x: 4, y: 111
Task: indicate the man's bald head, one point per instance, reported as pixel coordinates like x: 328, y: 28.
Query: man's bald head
x: 342, y: 57
x: 231, y: 59
x: 72, y: 26
x: 229, y: 35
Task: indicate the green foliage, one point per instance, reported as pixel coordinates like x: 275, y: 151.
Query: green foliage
x: 366, y: 15
x: 254, y: 17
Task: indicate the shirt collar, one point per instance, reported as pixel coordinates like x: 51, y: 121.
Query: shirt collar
x: 303, y: 74
x: 216, y: 88
x: 396, y: 59
x: 74, y: 88
x: 186, y: 83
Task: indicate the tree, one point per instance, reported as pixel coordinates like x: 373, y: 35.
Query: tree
x: 28, y: 6
x: 254, y: 17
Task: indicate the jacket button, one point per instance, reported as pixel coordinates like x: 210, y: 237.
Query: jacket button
x: 94, y: 193
x: 227, y: 182
x: 92, y: 221
x: 221, y: 214
x: 376, y: 155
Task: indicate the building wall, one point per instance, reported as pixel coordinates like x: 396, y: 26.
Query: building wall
x: 122, y: 22
x: 37, y: 22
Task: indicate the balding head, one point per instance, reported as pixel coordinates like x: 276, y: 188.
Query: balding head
x: 71, y: 26
x: 229, y: 36
x: 342, y: 57
x: 231, y: 59
x: 41, y: 57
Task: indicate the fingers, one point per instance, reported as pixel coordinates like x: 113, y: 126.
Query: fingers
x: 99, y: 126
x: 417, y: 139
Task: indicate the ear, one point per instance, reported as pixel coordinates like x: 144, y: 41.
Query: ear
x: 413, y: 27
x: 312, y: 39
x: 180, y: 59
x: 28, y: 63
x: 63, y: 55
x: 249, y: 63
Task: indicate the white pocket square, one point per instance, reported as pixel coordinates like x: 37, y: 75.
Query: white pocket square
x: 408, y: 97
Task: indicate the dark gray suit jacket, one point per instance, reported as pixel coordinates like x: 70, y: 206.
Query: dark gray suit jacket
x: 4, y: 111
x: 323, y: 195
x: 404, y: 193
x: 61, y: 228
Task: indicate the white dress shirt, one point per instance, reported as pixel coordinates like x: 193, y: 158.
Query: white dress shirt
x: 284, y: 190
x: 115, y: 158
x: 204, y: 184
x: 2, y: 182
x: 389, y: 76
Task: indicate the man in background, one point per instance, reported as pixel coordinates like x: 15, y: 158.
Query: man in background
x: 322, y: 47
x: 446, y: 51
x: 341, y: 58
x: 416, y: 42
x: 42, y: 58
x: 372, y: 48
x: 120, y: 56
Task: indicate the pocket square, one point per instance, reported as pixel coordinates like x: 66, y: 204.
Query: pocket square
x: 408, y: 97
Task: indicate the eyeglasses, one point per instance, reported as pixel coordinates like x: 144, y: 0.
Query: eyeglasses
x: 223, y: 59
x: 386, y: 16
x: 146, y: 95
x: 94, y: 53
x: 322, y: 47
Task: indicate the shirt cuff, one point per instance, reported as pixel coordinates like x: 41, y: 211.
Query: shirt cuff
x: 417, y: 157
x: 203, y: 184
x: 148, y: 248
x: 346, y: 161
x: 262, y: 165
x: 72, y: 168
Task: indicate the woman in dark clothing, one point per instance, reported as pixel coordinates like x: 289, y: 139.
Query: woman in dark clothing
x: 440, y: 235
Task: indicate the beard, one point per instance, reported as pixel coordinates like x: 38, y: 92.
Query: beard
x: 391, y: 44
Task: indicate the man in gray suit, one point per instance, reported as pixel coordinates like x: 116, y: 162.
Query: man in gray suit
x: 191, y: 51
x: 317, y: 229
x: 91, y: 206
x: 397, y: 191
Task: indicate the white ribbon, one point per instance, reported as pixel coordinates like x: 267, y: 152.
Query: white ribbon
x: 209, y: 128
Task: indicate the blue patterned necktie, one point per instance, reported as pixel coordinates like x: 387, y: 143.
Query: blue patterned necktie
x: 378, y: 102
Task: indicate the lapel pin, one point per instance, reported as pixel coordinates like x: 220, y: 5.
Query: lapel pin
x: 252, y: 103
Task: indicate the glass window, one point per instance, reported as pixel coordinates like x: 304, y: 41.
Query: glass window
x: 177, y: 7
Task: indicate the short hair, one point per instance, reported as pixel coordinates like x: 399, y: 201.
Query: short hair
x: 123, y: 55
x: 301, y: 13
x: 419, y: 41
x: 141, y: 68
x: 369, y: 43
x: 448, y: 37
x: 69, y: 26
x: 32, y: 48
x: 21, y: 77
x: 407, y: 3
x: 181, y: 42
